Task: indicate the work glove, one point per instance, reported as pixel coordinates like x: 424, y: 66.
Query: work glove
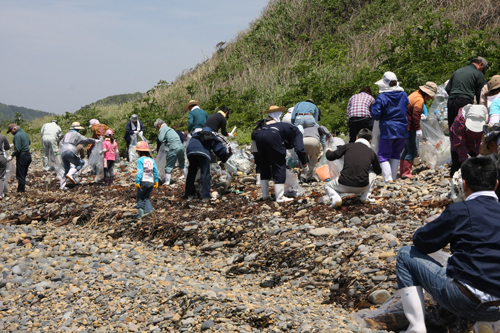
x: 9, y: 159
x: 135, y: 132
x: 419, y: 134
x: 330, y: 140
x: 155, y: 185
x: 140, y: 133
x: 137, y: 186
x: 230, y: 135
x: 423, y: 117
x: 100, y: 152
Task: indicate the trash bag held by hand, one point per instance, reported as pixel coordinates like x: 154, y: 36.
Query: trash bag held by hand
x: 292, y: 187
x: 10, y: 170
x: 161, y: 162
x: 434, y: 148
x: 96, y: 161
x: 132, y: 153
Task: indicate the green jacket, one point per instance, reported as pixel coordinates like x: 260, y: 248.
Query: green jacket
x: 21, y: 143
x: 466, y: 82
x: 197, y: 119
x: 169, y: 137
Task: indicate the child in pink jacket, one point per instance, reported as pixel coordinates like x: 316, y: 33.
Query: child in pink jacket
x: 110, y: 150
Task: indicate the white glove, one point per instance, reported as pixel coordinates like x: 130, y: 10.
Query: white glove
x: 419, y: 134
x: 423, y: 117
x: 330, y: 140
x: 9, y: 159
x: 135, y: 132
x: 140, y: 133
x: 230, y: 135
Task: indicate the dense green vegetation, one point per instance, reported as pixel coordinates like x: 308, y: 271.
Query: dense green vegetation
x: 326, y: 50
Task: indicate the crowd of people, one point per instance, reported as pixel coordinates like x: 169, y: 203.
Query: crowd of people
x: 383, y: 139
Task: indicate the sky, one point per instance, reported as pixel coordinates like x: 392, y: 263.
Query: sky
x: 58, y: 56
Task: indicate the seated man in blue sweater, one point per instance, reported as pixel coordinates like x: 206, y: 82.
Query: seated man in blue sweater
x: 470, y: 284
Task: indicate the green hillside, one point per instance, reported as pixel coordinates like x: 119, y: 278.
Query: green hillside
x: 115, y: 100
x: 321, y: 49
x: 8, y: 113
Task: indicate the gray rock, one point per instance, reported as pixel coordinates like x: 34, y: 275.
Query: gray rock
x: 379, y: 297
x: 324, y: 232
x: 207, y: 325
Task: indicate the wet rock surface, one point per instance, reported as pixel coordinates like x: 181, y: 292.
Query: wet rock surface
x: 78, y: 260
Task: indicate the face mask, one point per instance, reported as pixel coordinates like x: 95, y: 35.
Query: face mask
x: 492, y: 98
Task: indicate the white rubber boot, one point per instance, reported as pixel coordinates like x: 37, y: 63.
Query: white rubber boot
x: 487, y: 327
x: 264, y: 186
x: 414, y: 308
x: 257, y: 182
x: 62, y: 184
x: 185, y: 173
x: 394, y: 169
x: 70, y: 174
x: 334, y: 196
x: 279, y: 191
x: 386, y: 171
x: 365, y: 197
x: 452, y: 192
x: 168, y: 178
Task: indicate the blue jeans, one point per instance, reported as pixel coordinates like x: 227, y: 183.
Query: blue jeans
x: 411, y: 147
x: 417, y: 269
x: 305, y: 121
x: 68, y: 157
x: 143, y: 194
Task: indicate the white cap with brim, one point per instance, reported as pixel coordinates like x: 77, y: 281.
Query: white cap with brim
x: 383, y: 85
x: 475, y: 117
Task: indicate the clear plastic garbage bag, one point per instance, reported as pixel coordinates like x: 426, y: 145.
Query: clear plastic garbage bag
x: 142, y: 138
x: 328, y: 170
x: 132, y: 153
x: 434, y: 147
x: 239, y: 161
x: 292, y: 160
x: 96, y: 161
x: 59, y: 167
x: 221, y: 182
x: 292, y: 187
x: 10, y: 170
x: 161, y: 162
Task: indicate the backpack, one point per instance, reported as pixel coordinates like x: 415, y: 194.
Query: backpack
x: 261, y: 123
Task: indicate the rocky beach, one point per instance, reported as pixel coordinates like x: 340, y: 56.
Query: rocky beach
x: 78, y: 261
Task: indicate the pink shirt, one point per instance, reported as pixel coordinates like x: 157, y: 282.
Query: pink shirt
x: 111, y: 147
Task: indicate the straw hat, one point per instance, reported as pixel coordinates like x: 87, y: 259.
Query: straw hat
x: 494, y: 82
x: 191, y: 103
x: 76, y: 125
x: 142, y: 146
x: 275, y: 108
x: 430, y: 88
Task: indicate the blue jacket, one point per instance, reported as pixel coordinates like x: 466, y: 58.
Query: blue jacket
x: 129, y: 131
x: 390, y: 109
x: 305, y: 107
x: 197, y: 119
x: 472, y: 229
x: 196, y: 147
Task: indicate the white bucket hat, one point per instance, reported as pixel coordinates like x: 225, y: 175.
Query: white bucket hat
x: 475, y: 117
x: 383, y: 85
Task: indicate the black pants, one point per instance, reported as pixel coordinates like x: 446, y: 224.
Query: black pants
x: 203, y: 163
x: 22, y: 165
x: 272, y: 156
x: 455, y: 104
x: 358, y: 123
x: 455, y: 164
x: 256, y: 157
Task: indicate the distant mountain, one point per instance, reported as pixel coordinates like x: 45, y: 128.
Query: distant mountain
x: 8, y: 112
x: 115, y: 100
